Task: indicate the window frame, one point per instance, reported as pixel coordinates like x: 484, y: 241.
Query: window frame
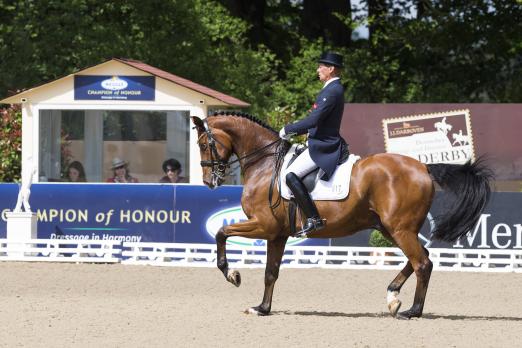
x: 192, y: 110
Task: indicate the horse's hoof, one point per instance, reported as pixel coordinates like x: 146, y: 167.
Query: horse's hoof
x: 393, y: 302
x: 394, y: 307
x: 403, y: 316
x: 234, y: 277
x: 256, y: 311
x: 407, y: 315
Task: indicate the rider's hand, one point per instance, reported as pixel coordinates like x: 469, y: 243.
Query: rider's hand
x: 283, y: 135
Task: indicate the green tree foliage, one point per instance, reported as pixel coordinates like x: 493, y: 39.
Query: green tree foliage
x: 265, y: 51
x: 10, y: 143
x: 44, y: 40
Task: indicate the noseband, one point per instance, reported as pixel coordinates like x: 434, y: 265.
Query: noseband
x: 218, y: 165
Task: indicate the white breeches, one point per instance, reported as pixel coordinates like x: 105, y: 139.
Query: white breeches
x: 302, y: 165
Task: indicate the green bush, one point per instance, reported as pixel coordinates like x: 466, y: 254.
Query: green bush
x: 10, y: 143
x: 378, y: 240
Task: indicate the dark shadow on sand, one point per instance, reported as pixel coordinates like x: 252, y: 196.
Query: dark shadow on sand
x: 426, y: 316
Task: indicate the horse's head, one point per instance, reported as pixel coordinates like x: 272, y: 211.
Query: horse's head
x: 215, y: 148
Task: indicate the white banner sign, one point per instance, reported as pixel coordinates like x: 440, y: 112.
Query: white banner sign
x: 443, y: 137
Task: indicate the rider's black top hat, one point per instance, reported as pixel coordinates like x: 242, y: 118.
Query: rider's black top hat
x: 331, y: 58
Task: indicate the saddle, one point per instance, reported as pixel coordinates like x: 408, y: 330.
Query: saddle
x: 334, y: 189
x: 310, y: 180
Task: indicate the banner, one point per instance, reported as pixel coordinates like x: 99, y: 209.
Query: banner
x: 442, y: 137
x: 193, y: 214
x: 499, y: 227
x: 134, y: 212
x: 92, y: 87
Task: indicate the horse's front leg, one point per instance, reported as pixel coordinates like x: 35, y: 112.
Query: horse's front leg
x: 275, y: 250
x: 231, y: 275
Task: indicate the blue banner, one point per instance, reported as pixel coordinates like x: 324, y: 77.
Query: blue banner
x: 91, y: 87
x: 134, y: 212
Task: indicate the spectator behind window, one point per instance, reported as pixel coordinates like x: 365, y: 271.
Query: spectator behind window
x: 75, y: 172
x: 120, y: 172
x: 172, y: 170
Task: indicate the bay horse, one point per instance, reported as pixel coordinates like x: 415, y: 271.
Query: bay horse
x: 388, y: 192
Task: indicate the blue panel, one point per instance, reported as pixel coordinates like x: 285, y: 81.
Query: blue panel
x: 91, y: 87
x: 134, y: 212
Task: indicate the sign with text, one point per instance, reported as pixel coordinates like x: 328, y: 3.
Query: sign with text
x: 161, y: 213
x: 443, y: 137
x: 93, y: 87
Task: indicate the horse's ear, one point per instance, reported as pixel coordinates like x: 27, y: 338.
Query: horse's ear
x: 198, y: 123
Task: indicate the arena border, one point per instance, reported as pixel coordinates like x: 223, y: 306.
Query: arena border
x: 204, y: 255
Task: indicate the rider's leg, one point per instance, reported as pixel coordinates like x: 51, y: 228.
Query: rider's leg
x: 298, y: 169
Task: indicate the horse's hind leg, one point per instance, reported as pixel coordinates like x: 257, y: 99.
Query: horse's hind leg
x: 395, y: 288
x: 231, y: 275
x: 275, y: 250
x: 422, y: 266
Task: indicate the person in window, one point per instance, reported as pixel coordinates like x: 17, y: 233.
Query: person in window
x: 172, y: 170
x: 120, y: 170
x: 75, y: 172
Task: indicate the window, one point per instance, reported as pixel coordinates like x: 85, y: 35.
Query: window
x: 143, y: 139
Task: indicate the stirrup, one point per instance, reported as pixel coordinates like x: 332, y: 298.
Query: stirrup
x: 312, y: 224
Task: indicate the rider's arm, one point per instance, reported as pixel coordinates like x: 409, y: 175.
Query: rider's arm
x: 323, y: 106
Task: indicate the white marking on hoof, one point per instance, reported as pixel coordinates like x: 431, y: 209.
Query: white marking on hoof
x: 251, y: 310
x: 393, y: 302
x: 234, y: 277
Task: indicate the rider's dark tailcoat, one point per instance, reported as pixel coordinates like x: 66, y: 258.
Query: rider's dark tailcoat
x: 322, y: 125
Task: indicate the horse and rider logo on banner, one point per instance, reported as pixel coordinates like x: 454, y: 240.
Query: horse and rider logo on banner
x: 443, y: 137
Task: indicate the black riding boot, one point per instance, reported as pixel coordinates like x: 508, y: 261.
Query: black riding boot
x: 303, y: 199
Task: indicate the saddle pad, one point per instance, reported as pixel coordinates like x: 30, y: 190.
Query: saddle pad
x: 334, y: 189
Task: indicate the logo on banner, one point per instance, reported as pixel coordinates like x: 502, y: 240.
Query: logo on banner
x: 114, y: 83
x: 234, y: 215
x: 443, y: 137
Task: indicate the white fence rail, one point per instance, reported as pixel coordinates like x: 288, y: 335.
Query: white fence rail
x: 59, y: 250
x: 204, y: 255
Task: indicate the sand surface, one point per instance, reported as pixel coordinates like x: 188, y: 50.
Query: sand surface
x: 89, y: 305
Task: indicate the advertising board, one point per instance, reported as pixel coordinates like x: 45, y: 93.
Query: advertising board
x: 442, y: 137
x: 135, y: 212
x: 94, y: 87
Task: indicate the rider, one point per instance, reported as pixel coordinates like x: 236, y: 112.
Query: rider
x: 324, y: 141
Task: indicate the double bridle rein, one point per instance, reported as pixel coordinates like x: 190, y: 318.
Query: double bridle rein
x: 218, y: 165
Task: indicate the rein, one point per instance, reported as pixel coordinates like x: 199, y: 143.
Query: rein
x: 279, y: 157
x: 219, y: 165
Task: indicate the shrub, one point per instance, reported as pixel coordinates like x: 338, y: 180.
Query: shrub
x: 10, y: 143
x: 378, y: 240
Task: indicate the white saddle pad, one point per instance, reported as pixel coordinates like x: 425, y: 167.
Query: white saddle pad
x: 334, y: 189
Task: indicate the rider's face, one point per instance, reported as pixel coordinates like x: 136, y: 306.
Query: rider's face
x: 324, y: 72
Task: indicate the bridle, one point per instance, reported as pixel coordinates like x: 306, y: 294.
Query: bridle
x: 218, y: 165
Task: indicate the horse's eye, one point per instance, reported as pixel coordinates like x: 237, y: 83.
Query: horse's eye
x: 203, y: 147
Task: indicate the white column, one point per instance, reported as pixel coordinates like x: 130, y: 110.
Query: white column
x: 21, y: 228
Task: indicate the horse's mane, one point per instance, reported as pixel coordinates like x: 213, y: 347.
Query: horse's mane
x: 246, y: 116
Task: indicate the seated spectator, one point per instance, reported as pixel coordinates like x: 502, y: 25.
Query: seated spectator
x: 120, y: 171
x: 172, y: 170
x: 75, y: 172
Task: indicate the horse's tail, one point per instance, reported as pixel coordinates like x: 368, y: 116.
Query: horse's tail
x: 469, y: 185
